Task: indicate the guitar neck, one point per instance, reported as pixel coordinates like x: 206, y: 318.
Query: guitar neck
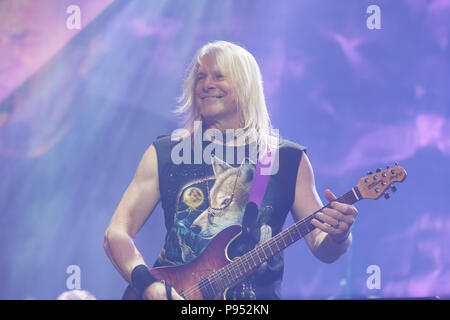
x: 296, y: 231
x: 238, y: 269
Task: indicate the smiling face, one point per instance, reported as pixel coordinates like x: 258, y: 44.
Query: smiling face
x: 215, y: 94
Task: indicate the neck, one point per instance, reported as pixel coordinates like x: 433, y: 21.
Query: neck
x: 221, y: 124
x: 225, y: 125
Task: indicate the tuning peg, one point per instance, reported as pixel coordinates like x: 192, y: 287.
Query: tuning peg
x: 378, y: 170
x: 386, y: 195
x: 396, y: 163
x: 369, y: 172
x: 393, y: 188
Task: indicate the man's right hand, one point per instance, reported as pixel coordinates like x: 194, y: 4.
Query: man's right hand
x: 157, y: 291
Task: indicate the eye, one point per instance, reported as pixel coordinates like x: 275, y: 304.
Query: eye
x: 226, y: 201
x: 200, y: 76
x: 219, y: 76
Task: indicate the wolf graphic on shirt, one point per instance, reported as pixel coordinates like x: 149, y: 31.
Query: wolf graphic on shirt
x: 228, y: 198
x: 205, y: 208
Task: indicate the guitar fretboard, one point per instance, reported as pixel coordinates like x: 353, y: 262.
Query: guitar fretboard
x: 237, y: 270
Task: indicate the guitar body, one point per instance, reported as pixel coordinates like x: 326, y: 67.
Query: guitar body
x: 185, y: 277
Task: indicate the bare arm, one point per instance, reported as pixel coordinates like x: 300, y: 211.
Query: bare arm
x: 135, y: 207
x: 306, y: 202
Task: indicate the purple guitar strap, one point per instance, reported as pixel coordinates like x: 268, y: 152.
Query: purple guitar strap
x: 261, y: 178
x: 262, y: 174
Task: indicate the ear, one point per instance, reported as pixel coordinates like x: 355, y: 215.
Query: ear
x: 219, y: 166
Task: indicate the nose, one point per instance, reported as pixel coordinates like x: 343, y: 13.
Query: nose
x: 208, y: 84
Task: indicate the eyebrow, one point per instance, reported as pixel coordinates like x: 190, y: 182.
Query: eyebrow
x: 204, y: 73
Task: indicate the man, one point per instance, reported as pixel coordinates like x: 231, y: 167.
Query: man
x: 224, y: 91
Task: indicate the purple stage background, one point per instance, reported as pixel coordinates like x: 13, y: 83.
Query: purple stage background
x: 79, y: 107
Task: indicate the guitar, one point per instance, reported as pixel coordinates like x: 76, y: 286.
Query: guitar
x: 213, y: 272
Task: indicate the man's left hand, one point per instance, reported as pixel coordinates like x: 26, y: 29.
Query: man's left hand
x: 337, y: 219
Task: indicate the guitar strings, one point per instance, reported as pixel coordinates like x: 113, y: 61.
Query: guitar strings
x: 227, y: 270
x: 217, y: 275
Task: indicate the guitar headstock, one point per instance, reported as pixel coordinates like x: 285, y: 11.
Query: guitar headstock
x: 374, y: 185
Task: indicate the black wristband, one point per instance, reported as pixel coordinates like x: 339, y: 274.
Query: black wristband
x: 168, y: 291
x: 141, y: 278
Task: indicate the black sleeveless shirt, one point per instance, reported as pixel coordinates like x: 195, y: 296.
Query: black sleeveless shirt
x: 188, y: 189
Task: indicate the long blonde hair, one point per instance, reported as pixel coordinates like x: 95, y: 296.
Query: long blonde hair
x: 243, y: 70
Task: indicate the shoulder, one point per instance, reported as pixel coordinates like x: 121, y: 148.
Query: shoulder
x: 290, y: 157
x: 291, y: 149
x: 163, y: 141
x: 163, y: 145
x: 148, y: 166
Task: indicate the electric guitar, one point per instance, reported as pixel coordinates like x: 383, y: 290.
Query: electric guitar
x: 213, y: 272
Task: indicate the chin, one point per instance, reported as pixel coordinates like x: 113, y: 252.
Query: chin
x: 211, y: 112
x: 210, y: 117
